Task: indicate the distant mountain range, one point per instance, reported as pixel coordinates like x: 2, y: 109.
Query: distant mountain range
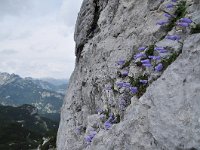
x: 21, y: 128
x: 46, y: 95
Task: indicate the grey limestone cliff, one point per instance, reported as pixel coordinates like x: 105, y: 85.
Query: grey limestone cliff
x: 163, y: 114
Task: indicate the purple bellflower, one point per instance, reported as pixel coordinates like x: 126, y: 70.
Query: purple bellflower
x: 146, y: 61
x: 144, y: 81
x: 107, y: 125
x: 163, y: 51
x: 111, y: 117
x: 124, y: 72
x: 169, y: 6
x: 155, y: 57
x: 99, y: 111
x: 121, y: 62
x: 133, y: 90
x: 159, y: 48
x: 126, y: 84
x: 173, y: 37
x: 182, y: 24
x: 88, y: 138
x: 139, y: 55
x: 162, y: 22
x: 159, y: 67
x: 174, y: 1
x: 101, y: 116
x: 167, y: 15
x: 142, y: 48
x: 147, y: 65
x: 186, y: 20
x: 120, y: 84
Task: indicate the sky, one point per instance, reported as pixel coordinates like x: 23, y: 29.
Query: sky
x: 36, y: 37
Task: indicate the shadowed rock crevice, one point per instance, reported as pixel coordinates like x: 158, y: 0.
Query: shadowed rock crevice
x: 94, y: 27
x: 85, y: 30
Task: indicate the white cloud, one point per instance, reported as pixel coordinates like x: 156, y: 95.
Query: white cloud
x: 41, y: 44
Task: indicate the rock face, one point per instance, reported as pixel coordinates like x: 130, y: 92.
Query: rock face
x: 165, y: 114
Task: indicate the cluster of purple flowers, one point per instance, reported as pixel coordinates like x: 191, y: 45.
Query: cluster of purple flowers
x: 147, y: 62
x: 123, y: 84
x: 167, y: 15
x: 160, y: 50
x: 184, y: 22
x: 139, y: 55
x: 132, y: 89
x: 173, y: 37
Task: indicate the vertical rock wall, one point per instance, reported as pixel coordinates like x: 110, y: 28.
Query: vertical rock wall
x: 164, y: 113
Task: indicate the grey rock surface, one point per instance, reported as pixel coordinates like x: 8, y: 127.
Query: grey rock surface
x: 166, y: 116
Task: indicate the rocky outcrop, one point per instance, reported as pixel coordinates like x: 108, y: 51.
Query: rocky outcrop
x: 162, y: 114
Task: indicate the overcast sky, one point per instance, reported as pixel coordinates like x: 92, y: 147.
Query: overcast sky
x: 36, y: 37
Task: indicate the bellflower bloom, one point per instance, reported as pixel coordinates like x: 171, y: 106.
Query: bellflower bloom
x: 167, y: 15
x: 107, y: 125
x: 162, y: 22
x: 146, y: 61
x: 124, y: 72
x: 133, y: 90
x: 159, y: 48
x: 155, y: 57
x: 173, y: 37
x: 88, y: 139
x: 139, y: 55
x: 163, y: 51
x: 93, y: 133
x: 183, y: 24
x: 99, y: 111
x: 121, y: 62
x: 147, y: 65
x: 120, y: 84
x: 169, y: 6
x: 159, y: 67
x: 186, y: 20
x: 142, y: 48
x: 126, y: 84
x: 144, y: 81
x: 101, y: 116
x: 174, y: 1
